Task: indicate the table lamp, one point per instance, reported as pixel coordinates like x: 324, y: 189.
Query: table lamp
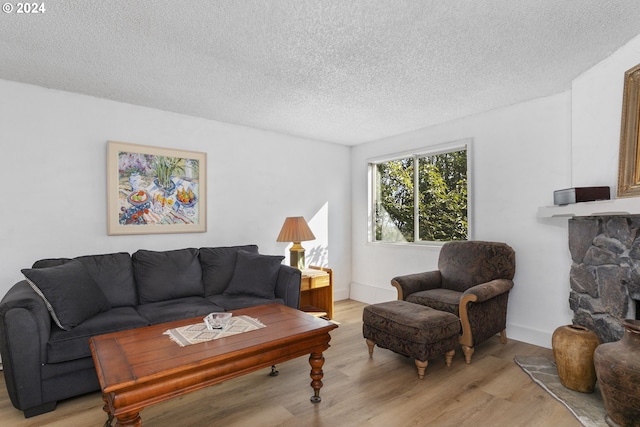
x: 296, y: 230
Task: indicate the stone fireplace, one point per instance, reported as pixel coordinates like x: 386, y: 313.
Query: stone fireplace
x: 605, y: 272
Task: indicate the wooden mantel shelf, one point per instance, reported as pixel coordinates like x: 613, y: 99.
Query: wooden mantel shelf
x: 625, y: 206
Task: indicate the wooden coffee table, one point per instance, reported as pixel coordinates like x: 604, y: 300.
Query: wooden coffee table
x: 140, y: 367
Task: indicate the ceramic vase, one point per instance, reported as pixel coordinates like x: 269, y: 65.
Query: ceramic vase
x: 134, y: 181
x: 618, y: 368
x: 169, y: 189
x: 573, y: 348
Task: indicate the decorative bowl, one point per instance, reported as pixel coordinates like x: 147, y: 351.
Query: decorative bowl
x: 189, y: 204
x: 217, y: 320
x: 138, y: 198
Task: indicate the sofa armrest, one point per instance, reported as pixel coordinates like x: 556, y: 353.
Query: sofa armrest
x: 411, y: 283
x: 288, y: 285
x: 25, y: 325
x: 486, y: 291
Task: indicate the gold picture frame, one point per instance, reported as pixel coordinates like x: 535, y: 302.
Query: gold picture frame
x: 154, y: 190
x: 629, y: 160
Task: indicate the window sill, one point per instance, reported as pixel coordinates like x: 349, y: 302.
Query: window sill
x: 408, y: 245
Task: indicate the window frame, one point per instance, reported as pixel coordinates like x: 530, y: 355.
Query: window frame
x: 463, y: 144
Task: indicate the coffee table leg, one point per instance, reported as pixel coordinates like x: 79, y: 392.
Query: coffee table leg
x: 105, y: 408
x: 129, y: 420
x: 316, y: 360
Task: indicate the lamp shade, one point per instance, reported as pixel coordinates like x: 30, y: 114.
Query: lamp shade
x: 295, y: 229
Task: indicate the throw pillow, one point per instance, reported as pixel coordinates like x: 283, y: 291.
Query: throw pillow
x: 161, y: 276
x: 218, y: 265
x: 50, y: 262
x: 69, y: 292
x: 113, y: 273
x: 255, y: 274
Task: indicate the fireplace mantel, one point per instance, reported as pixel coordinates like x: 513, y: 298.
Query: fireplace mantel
x: 624, y: 206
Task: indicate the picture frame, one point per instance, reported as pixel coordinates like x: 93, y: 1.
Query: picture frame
x: 629, y: 156
x: 153, y: 190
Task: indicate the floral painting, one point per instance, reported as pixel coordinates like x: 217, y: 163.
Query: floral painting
x: 155, y: 190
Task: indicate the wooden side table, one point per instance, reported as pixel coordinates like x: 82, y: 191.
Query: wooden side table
x: 316, y: 291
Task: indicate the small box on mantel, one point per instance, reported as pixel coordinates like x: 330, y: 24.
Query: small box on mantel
x: 580, y: 194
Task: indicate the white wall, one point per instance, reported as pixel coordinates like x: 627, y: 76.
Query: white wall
x: 519, y: 156
x: 53, y: 171
x: 54, y: 181
x: 596, y: 119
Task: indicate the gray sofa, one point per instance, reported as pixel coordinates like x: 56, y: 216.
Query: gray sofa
x: 47, y: 319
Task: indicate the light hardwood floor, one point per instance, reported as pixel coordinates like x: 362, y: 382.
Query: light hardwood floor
x: 381, y: 391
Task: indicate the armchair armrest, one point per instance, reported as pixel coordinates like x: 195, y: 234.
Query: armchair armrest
x: 478, y: 294
x: 486, y: 291
x: 410, y: 283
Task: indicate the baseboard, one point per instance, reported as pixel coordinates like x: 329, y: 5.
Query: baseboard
x: 340, y: 294
x: 529, y: 335
x: 371, y: 294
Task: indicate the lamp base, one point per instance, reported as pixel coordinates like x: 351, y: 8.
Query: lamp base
x: 296, y: 254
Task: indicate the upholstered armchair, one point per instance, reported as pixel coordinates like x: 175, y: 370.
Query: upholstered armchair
x: 473, y: 281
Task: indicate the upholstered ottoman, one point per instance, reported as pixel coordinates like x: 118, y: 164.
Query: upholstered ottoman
x: 412, y: 330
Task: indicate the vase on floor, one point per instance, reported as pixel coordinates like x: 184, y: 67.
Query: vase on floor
x: 573, y: 348
x: 618, y: 368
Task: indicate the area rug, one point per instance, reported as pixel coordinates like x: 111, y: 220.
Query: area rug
x: 198, y: 333
x: 588, y: 408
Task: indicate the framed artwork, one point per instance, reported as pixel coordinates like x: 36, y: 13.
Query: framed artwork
x: 155, y: 190
x: 629, y: 160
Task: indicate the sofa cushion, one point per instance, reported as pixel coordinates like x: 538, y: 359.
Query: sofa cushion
x: 63, y: 372
x: 235, y: 302
x: 218, y: 265
x: 255, y: 274
x: 69, y: 292
x: 74, y: 344
x: 162, y: 276
x: 177, y: 309
x: 114, y: 274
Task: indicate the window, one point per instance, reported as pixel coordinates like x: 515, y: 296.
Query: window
x: 421, y: 197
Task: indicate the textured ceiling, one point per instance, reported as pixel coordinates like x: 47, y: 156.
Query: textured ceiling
x: 333, y: 70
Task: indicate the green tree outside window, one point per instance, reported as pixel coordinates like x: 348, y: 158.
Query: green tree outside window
x: 436, y: 212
